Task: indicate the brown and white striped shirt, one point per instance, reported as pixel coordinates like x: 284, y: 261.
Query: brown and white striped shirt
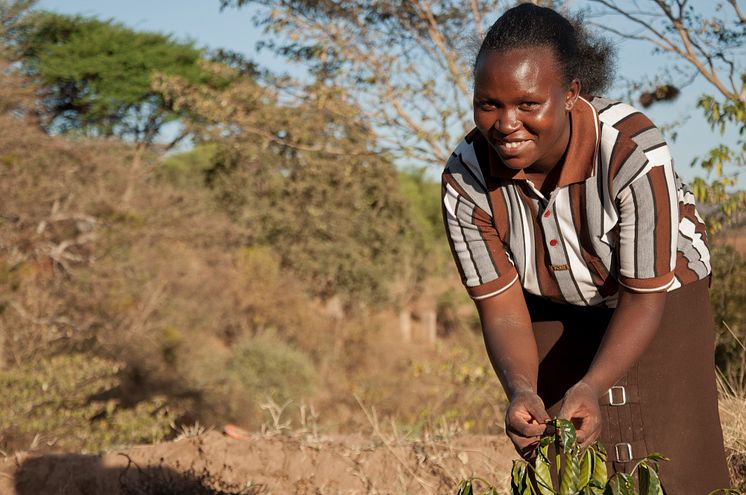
x: 619, y: 215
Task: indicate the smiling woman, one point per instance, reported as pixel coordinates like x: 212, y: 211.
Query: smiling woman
x: 585, y: 256
x: 521, y: 105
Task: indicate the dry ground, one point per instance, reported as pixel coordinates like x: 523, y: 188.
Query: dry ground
x: 212, y: 463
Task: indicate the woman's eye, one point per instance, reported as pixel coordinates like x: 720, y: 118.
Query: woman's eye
x: 529, y: 105
x: 485, y: 106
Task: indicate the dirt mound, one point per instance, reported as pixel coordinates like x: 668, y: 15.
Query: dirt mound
x: 259, y: 464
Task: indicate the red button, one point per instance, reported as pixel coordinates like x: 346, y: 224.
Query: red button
x: 553, y: 242
x: 547, y: 213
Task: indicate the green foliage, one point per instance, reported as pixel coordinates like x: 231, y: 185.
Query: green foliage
x: 422, y: 196
x: 187, y: 169
x: 579, y: 471
x: 265, y: 367
x: 98, y: 74
x: 62, y: 401
x: 723, y: 161
x: 336, y: 222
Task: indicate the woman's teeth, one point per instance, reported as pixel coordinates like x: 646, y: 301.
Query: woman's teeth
x: 513, y: 144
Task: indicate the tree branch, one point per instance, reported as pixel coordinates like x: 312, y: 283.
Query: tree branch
x: 667, y: 44
x: 437, y: 36
x: 740, y: 15
x: 689, y: 55
x: 478, y: 18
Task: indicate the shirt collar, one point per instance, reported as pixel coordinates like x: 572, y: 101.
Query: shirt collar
x: 582, y: 150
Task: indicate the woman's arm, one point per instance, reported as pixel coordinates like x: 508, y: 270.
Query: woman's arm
x: 511, y: 347
x: 630, y: 331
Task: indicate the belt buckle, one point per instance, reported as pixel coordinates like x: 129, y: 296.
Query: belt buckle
x: 623, y: 448
x: 611, y: 395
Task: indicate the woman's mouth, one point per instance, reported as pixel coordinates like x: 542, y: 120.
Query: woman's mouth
x: 512, y: 147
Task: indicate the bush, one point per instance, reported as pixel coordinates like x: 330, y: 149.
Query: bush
x: 727, y: 295
x: 62, y: 401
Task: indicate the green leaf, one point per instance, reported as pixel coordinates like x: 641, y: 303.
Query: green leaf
x: 623, y: 484
x: 656, y: 457
x: 519, y: 477
x: 650, y: 484
x: 541, y: 469
x: 465, y: 488
x: 586, y: 469
x: 600, y: 475
x: 569, y: 481
x: 598, y: 447
x: 567, y: 434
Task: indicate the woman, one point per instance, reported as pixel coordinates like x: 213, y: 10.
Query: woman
x: 585, y: 256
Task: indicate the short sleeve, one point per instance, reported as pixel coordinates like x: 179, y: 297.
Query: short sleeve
x: 649, y: 223
x: 480, y: 255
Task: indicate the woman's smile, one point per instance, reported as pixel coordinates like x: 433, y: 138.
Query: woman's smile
x: 511, y: 147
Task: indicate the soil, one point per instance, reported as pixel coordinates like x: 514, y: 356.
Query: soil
x: 212, y: 463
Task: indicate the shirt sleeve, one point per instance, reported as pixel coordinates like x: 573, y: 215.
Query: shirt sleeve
x: 480, y: 255
x: 649, y: 221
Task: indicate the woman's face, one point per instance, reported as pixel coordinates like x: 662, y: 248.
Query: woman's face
x: 521, y: 105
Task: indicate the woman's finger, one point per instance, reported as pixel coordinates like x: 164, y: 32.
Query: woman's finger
x: 526, y: 448
x: 526, y: 430
x: 526, y: 423
x: 588, y: 431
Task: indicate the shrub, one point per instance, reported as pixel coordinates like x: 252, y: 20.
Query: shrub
x: 727, y: 296
x: 62, y: 401
x: 262, y: 368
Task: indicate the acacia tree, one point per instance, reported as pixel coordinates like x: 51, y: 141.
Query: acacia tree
x: 97, y: 74
x: 705, y: 44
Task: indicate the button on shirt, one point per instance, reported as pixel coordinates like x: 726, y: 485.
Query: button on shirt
x: 619, y: 215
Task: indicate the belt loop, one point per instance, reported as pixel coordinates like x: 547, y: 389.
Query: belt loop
x: 623, y: 452
x: 622, y: 400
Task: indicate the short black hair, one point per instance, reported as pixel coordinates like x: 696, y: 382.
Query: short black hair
x: 580, y: 54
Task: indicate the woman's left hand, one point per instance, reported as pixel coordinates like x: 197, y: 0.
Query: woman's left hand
x: 580, y: 406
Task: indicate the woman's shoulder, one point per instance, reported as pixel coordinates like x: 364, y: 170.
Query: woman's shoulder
x: 468, y: 154
x: 623, y: 117
x: 630, y: 144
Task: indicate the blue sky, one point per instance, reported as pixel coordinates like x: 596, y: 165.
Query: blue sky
x: 203, y: 22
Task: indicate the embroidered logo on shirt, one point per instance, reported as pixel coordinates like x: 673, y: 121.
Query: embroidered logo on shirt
x: 560, y: 268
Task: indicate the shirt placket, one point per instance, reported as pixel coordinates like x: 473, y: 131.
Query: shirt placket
x: 554, y: 246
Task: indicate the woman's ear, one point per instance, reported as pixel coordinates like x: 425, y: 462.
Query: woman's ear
x: 573, y: 92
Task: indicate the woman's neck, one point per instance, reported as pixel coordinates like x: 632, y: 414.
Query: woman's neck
x: 545, y: 177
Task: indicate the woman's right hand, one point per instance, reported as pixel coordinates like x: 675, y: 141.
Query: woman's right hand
x: 525, y: 422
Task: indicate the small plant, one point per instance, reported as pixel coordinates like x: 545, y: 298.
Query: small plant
x: 579, y: 471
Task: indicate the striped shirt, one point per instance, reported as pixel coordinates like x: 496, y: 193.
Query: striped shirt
x: 619, y: 215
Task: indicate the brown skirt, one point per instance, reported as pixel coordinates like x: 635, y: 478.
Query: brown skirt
x: 666, y: 403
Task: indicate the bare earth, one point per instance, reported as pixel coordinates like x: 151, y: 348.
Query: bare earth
x: 259, y: 464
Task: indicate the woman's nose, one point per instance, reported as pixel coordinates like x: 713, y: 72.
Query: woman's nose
x: 507, y: 122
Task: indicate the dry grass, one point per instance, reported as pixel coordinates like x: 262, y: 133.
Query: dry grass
x: 733, y: 419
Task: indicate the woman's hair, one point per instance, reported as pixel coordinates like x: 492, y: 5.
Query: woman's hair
x: 580, y: 55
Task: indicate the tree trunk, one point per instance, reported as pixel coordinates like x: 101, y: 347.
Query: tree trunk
x: 405, y: 325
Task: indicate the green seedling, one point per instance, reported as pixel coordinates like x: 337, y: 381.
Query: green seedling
x: 579, y: 471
